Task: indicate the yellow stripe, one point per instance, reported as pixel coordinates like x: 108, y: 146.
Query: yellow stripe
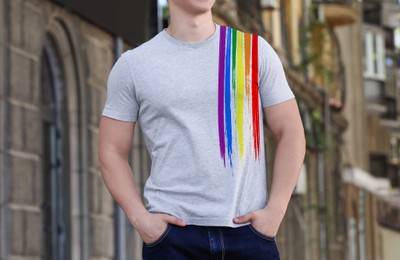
x: 240, y: 95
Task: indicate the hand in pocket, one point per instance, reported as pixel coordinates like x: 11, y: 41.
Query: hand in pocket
x: 153, y: 225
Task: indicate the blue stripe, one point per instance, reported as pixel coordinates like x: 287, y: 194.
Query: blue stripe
x: 228, y: 122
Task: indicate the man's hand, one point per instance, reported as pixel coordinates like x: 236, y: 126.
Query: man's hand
x: 265, y: 221
x: 152, y: 225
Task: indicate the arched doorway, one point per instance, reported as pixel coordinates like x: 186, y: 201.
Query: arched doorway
x: 56, y: 184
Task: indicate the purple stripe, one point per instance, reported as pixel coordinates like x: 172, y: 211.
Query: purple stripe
x: 221, y: 70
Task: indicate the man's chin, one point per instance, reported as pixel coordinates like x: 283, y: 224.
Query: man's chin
x: 201, y: 7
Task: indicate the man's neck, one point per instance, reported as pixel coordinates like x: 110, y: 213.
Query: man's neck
x: 190, y: 28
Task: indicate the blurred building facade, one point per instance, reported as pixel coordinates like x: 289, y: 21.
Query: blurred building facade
x: 55, y: 57
x: 373, y: 209
x: 340, y: 60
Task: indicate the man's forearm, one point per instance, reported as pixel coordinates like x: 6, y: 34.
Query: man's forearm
x: 288, y: 160
x: 118, y: 177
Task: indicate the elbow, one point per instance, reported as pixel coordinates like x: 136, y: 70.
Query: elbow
x: 298, y: 141
x: 102, y: 162
x: 294, y: 139
x: 110, y: 159
x: 105, y: 160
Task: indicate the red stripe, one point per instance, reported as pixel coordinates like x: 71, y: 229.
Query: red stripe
x: 254, y: 95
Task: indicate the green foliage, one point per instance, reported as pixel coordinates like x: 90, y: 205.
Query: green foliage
x: 306, y: 40
x: 315, y: 40
x: 165, y: 12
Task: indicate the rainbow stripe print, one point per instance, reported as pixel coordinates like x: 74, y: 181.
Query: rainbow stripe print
x: 238, y: 103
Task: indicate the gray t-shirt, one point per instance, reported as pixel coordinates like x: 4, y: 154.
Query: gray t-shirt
x: 199, y: 106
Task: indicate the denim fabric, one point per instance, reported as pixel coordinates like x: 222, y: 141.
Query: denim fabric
x: 205, y: 242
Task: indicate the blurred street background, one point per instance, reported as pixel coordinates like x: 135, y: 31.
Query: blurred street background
x: 342, y: 60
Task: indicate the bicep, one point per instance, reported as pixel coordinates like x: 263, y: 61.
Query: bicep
x: 283, y: 117
x: 115, y: 136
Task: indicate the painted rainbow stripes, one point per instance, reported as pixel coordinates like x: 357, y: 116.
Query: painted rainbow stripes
x: 238, y: 86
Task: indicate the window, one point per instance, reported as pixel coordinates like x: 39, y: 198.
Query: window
x: 374, y: 55
x: 397, y: 38
x: 378, y: 164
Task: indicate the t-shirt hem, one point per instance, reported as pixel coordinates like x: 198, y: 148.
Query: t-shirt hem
x: 284, y: 99
x: 222, y: 222
x: 119, y: 116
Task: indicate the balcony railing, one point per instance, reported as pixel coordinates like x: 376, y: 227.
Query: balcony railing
x: 375, y: 91
x: 388, y: 210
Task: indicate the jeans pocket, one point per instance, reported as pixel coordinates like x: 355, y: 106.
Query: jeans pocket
x: 161, y: 238
x: 258, y: 233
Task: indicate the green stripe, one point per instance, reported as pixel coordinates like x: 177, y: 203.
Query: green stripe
x: 234, y: 43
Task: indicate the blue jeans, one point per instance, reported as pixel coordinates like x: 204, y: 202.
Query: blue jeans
x: 205, y: 242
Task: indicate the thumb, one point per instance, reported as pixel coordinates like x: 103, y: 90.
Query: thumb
x: 174, y: 220
x: 243, y: 219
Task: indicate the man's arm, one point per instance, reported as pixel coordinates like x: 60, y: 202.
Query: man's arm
x: 115, y: 141
x: 284, y: 122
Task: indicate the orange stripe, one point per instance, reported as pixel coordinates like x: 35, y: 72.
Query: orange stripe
x: 247, y: 46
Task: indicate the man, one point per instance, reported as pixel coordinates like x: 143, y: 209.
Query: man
x: 199, y: 91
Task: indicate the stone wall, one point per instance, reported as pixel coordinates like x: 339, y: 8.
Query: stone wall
x: 87, y: 56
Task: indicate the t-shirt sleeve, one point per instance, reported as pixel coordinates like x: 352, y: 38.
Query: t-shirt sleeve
x: 121, y: 102
x: 273, y: 86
